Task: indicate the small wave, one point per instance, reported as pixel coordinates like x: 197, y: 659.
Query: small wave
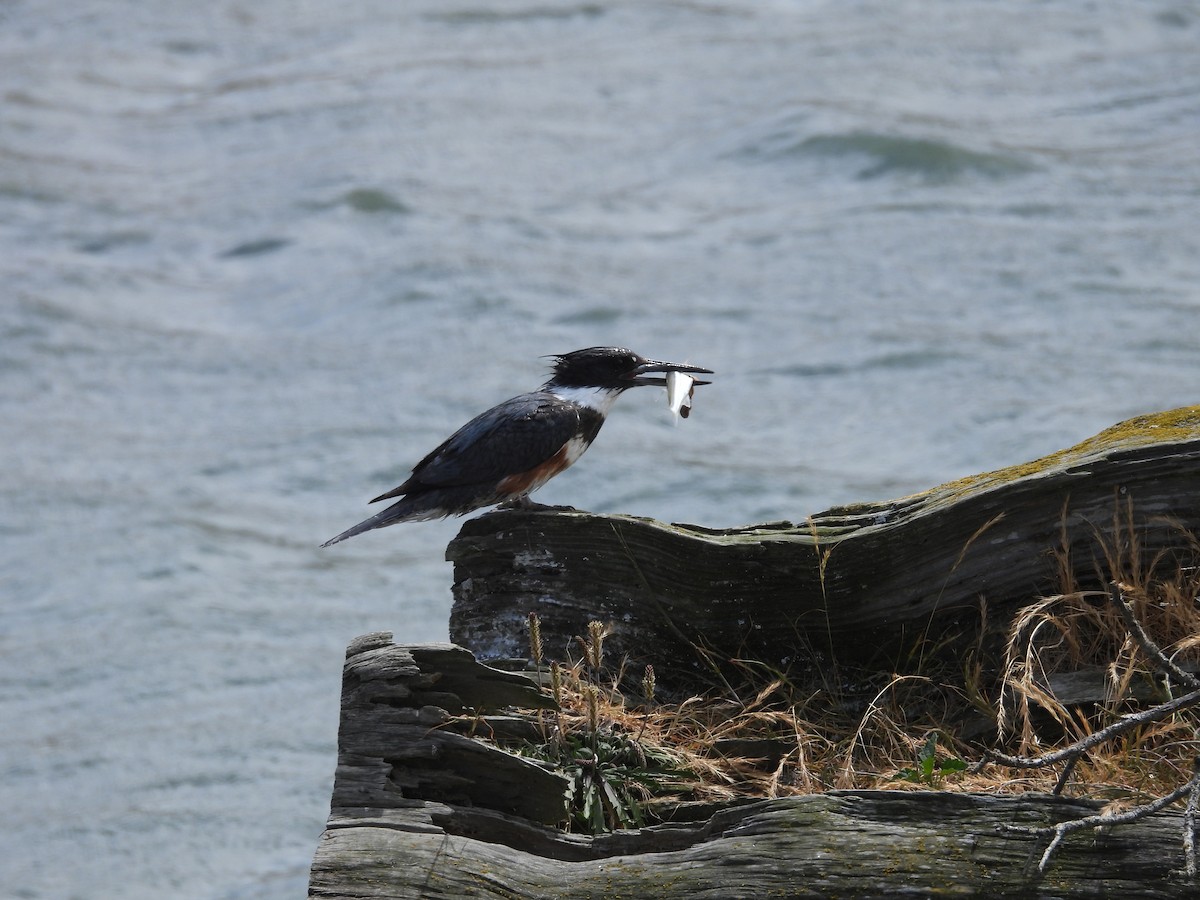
x: 113, y: 240
x: 256, y: 248
x: 912, y: 359
x: 592, y: 315
x: 886, y: 154
x: 363, y: 200
x: 528, y: 14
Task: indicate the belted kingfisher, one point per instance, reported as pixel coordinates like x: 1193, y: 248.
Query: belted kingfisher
x: 513, y: 449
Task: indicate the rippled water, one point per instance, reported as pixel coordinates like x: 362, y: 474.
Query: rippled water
x: 258, y: 258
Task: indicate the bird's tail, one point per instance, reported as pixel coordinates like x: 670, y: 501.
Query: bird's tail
x: 434, y: 504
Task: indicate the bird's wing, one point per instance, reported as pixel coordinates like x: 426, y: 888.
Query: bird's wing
x: 513, y: 437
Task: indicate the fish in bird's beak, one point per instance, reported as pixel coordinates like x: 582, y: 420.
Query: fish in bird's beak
x: 680, y: 388
x: 640, y: 374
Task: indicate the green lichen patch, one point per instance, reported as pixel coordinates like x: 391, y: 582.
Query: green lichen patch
x: 1168, y: 427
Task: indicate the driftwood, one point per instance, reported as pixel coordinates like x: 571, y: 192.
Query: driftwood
x: 421, y: 810
x: 395, y: 741
x: 862, y: 586
x: 427, y: 801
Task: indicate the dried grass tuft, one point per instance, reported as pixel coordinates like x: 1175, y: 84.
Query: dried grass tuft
x: 761, y: 733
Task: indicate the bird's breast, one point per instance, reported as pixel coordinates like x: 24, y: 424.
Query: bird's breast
x: 530, y: 480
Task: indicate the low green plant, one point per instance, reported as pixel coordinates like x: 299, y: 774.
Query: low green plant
x: 930, y: 770
x: 612, y: 773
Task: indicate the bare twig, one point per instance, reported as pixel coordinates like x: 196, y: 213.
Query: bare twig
x: 1064, y: 776
x: 1101, y: 820
x: 1074, y: 752
x: 1077, y: 749
x: 1116, y: 591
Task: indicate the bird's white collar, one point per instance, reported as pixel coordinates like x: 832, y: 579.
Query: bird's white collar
x: 599, y: 399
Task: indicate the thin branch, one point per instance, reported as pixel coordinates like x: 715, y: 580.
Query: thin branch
x: 1062, y: 829
x: 1061, y: 784
x: 1125, y: 723
x: 1152, y: 651
x: 1073, y: 751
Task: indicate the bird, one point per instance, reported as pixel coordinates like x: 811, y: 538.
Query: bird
x: 505, y: 454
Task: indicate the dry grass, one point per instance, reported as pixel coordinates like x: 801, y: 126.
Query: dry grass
x: 1081, y: 629
x: 769, y: 736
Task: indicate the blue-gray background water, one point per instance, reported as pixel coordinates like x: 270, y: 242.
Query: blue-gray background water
x: 257, y: 258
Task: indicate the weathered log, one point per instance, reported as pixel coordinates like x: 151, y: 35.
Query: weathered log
x: 423, y: 808
x: 397, y: 740
x: 864, y: 844
x: 418, y: 814
x: 863, y: 585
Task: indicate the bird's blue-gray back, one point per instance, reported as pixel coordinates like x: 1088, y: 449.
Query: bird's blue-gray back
x: 526, y: 431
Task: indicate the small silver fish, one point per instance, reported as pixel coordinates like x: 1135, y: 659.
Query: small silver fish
x: 680, y: 388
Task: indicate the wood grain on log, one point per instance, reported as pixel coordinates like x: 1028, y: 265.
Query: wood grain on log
x: 862, y: 844
x: 398, y: 741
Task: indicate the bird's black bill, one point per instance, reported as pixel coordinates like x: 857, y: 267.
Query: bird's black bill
x: 641, y: 375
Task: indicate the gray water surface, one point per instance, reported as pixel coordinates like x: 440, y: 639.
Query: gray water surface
x: 258, y: 258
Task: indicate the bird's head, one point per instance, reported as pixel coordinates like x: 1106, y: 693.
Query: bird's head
x: 614, y: 368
